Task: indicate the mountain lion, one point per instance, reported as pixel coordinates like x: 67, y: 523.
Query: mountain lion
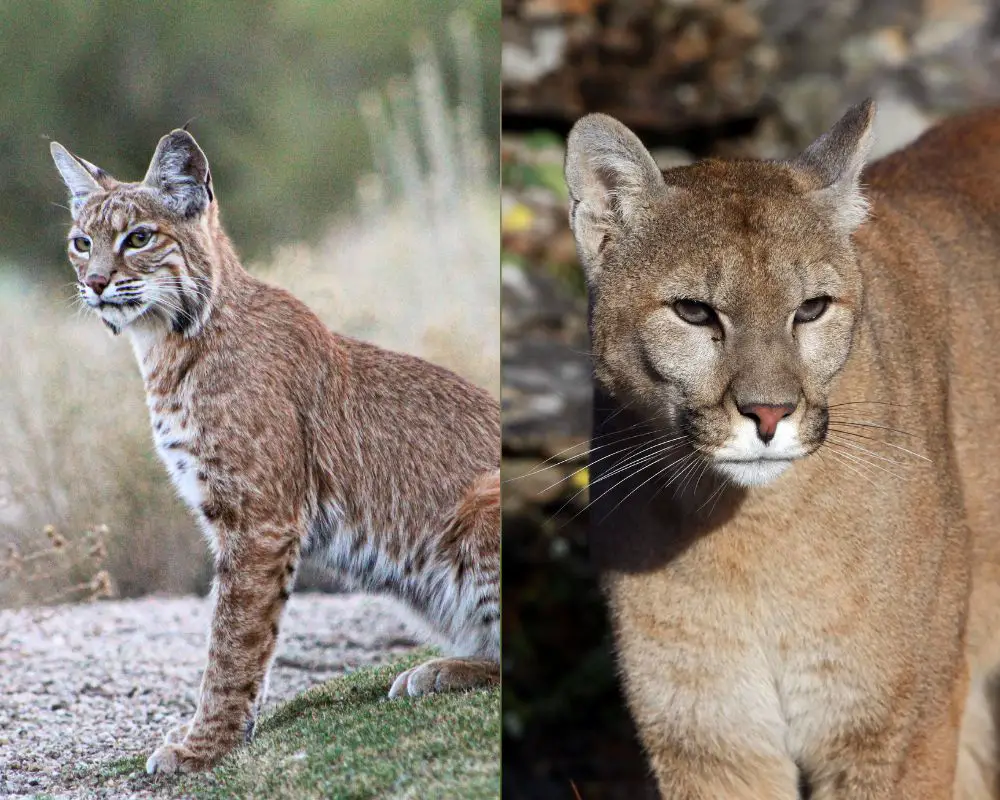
x: 797, y: 524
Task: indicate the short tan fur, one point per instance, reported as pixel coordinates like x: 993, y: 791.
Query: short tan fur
x: 798, y: 529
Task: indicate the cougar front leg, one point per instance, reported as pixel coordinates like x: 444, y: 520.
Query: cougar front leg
x: 253, y: 582
x: 707, y: 775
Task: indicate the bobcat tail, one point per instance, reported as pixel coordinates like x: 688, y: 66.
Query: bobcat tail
x: 473, y: 535
x: 481, y: 504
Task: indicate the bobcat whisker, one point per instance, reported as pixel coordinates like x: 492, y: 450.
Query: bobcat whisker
x: 177, y: 283
x: 169, y: 305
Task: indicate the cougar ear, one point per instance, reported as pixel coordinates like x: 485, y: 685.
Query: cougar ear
x: 836, y: 159
x: 611, y: 177
x: 81, y: 177
x: 179, y: 172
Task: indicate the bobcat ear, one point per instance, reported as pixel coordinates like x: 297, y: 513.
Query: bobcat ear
x: 81, y: 177
x: 611, y: 177
x: 179, y: 172
x: 836, y: 159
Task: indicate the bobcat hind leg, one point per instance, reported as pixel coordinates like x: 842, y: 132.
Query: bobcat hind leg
x: 471, y: 545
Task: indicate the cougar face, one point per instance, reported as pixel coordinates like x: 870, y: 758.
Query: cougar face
x: 725, y: 294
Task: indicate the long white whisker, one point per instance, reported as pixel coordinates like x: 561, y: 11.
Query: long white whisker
x: 546, y: 466
x: 878, y: 441
x: 633, y: 458
x: 678, y: 461
x: 859, y: 460
x: 835, y: 437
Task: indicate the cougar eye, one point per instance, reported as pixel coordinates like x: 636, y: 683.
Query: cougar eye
x: 811, y: 309
x: 138, y: 238
x: 694, y: 312
x: 81, y: 244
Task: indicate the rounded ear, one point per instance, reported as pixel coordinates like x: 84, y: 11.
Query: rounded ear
x: 610, y: 176
x: 836, y: 160
x: 179, y: 172
x: 81, y: 177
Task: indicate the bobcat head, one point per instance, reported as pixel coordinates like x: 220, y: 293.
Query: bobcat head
x: 725, y: 294
x: 142, y: 250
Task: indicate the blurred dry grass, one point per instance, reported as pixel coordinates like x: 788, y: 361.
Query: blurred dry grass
x: 416, y: 271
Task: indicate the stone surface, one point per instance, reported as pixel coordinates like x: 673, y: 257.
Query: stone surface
x: 673, y: 66
x: 83, y: 685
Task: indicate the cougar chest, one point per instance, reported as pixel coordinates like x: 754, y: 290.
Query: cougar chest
x: 816, y: 630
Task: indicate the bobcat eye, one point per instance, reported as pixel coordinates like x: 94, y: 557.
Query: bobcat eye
x: 138, y: 238
x: 81, y: 244
x: 812, y: 309
x: 694, y: 313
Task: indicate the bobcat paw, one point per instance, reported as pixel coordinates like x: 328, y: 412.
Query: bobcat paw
x: 445, y: 675
x: 178, y: 734
x: 175, y: 757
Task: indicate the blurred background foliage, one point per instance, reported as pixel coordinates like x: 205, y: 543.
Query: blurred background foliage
x: 354, y: 153
x: 271, y: 88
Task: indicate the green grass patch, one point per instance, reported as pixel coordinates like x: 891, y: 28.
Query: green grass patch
x: 121, y: 767
x: 345, y: 741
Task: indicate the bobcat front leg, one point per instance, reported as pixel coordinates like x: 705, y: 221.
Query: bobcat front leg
x: 253, y: 581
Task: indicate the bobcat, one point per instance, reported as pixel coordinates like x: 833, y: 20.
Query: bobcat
x: 288, y: 441
x: 796, y: 527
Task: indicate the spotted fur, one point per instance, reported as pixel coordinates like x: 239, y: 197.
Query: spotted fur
x: 288, y: 441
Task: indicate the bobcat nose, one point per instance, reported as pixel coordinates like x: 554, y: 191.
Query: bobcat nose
x: 98, y: 283
x: 767, y: 417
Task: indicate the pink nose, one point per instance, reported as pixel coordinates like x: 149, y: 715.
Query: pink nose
x: 97, y: 282
x: 767, y: 417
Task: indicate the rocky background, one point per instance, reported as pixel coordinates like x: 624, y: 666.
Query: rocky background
x: 694, y: 78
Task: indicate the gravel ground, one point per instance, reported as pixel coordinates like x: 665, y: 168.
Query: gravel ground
x: 86, y: 684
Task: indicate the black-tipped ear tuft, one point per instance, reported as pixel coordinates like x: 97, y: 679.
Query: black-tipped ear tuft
x: 179, y: 172
x: 81, y: 177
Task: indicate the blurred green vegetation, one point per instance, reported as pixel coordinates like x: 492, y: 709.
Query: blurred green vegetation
x: 272, y: 90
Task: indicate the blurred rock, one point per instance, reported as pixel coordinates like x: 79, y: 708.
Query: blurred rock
x: 546, y: 377
x: 673, y: 66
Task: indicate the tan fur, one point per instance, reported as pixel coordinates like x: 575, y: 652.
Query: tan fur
x: 288, y: 441
x: 826, y: 620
